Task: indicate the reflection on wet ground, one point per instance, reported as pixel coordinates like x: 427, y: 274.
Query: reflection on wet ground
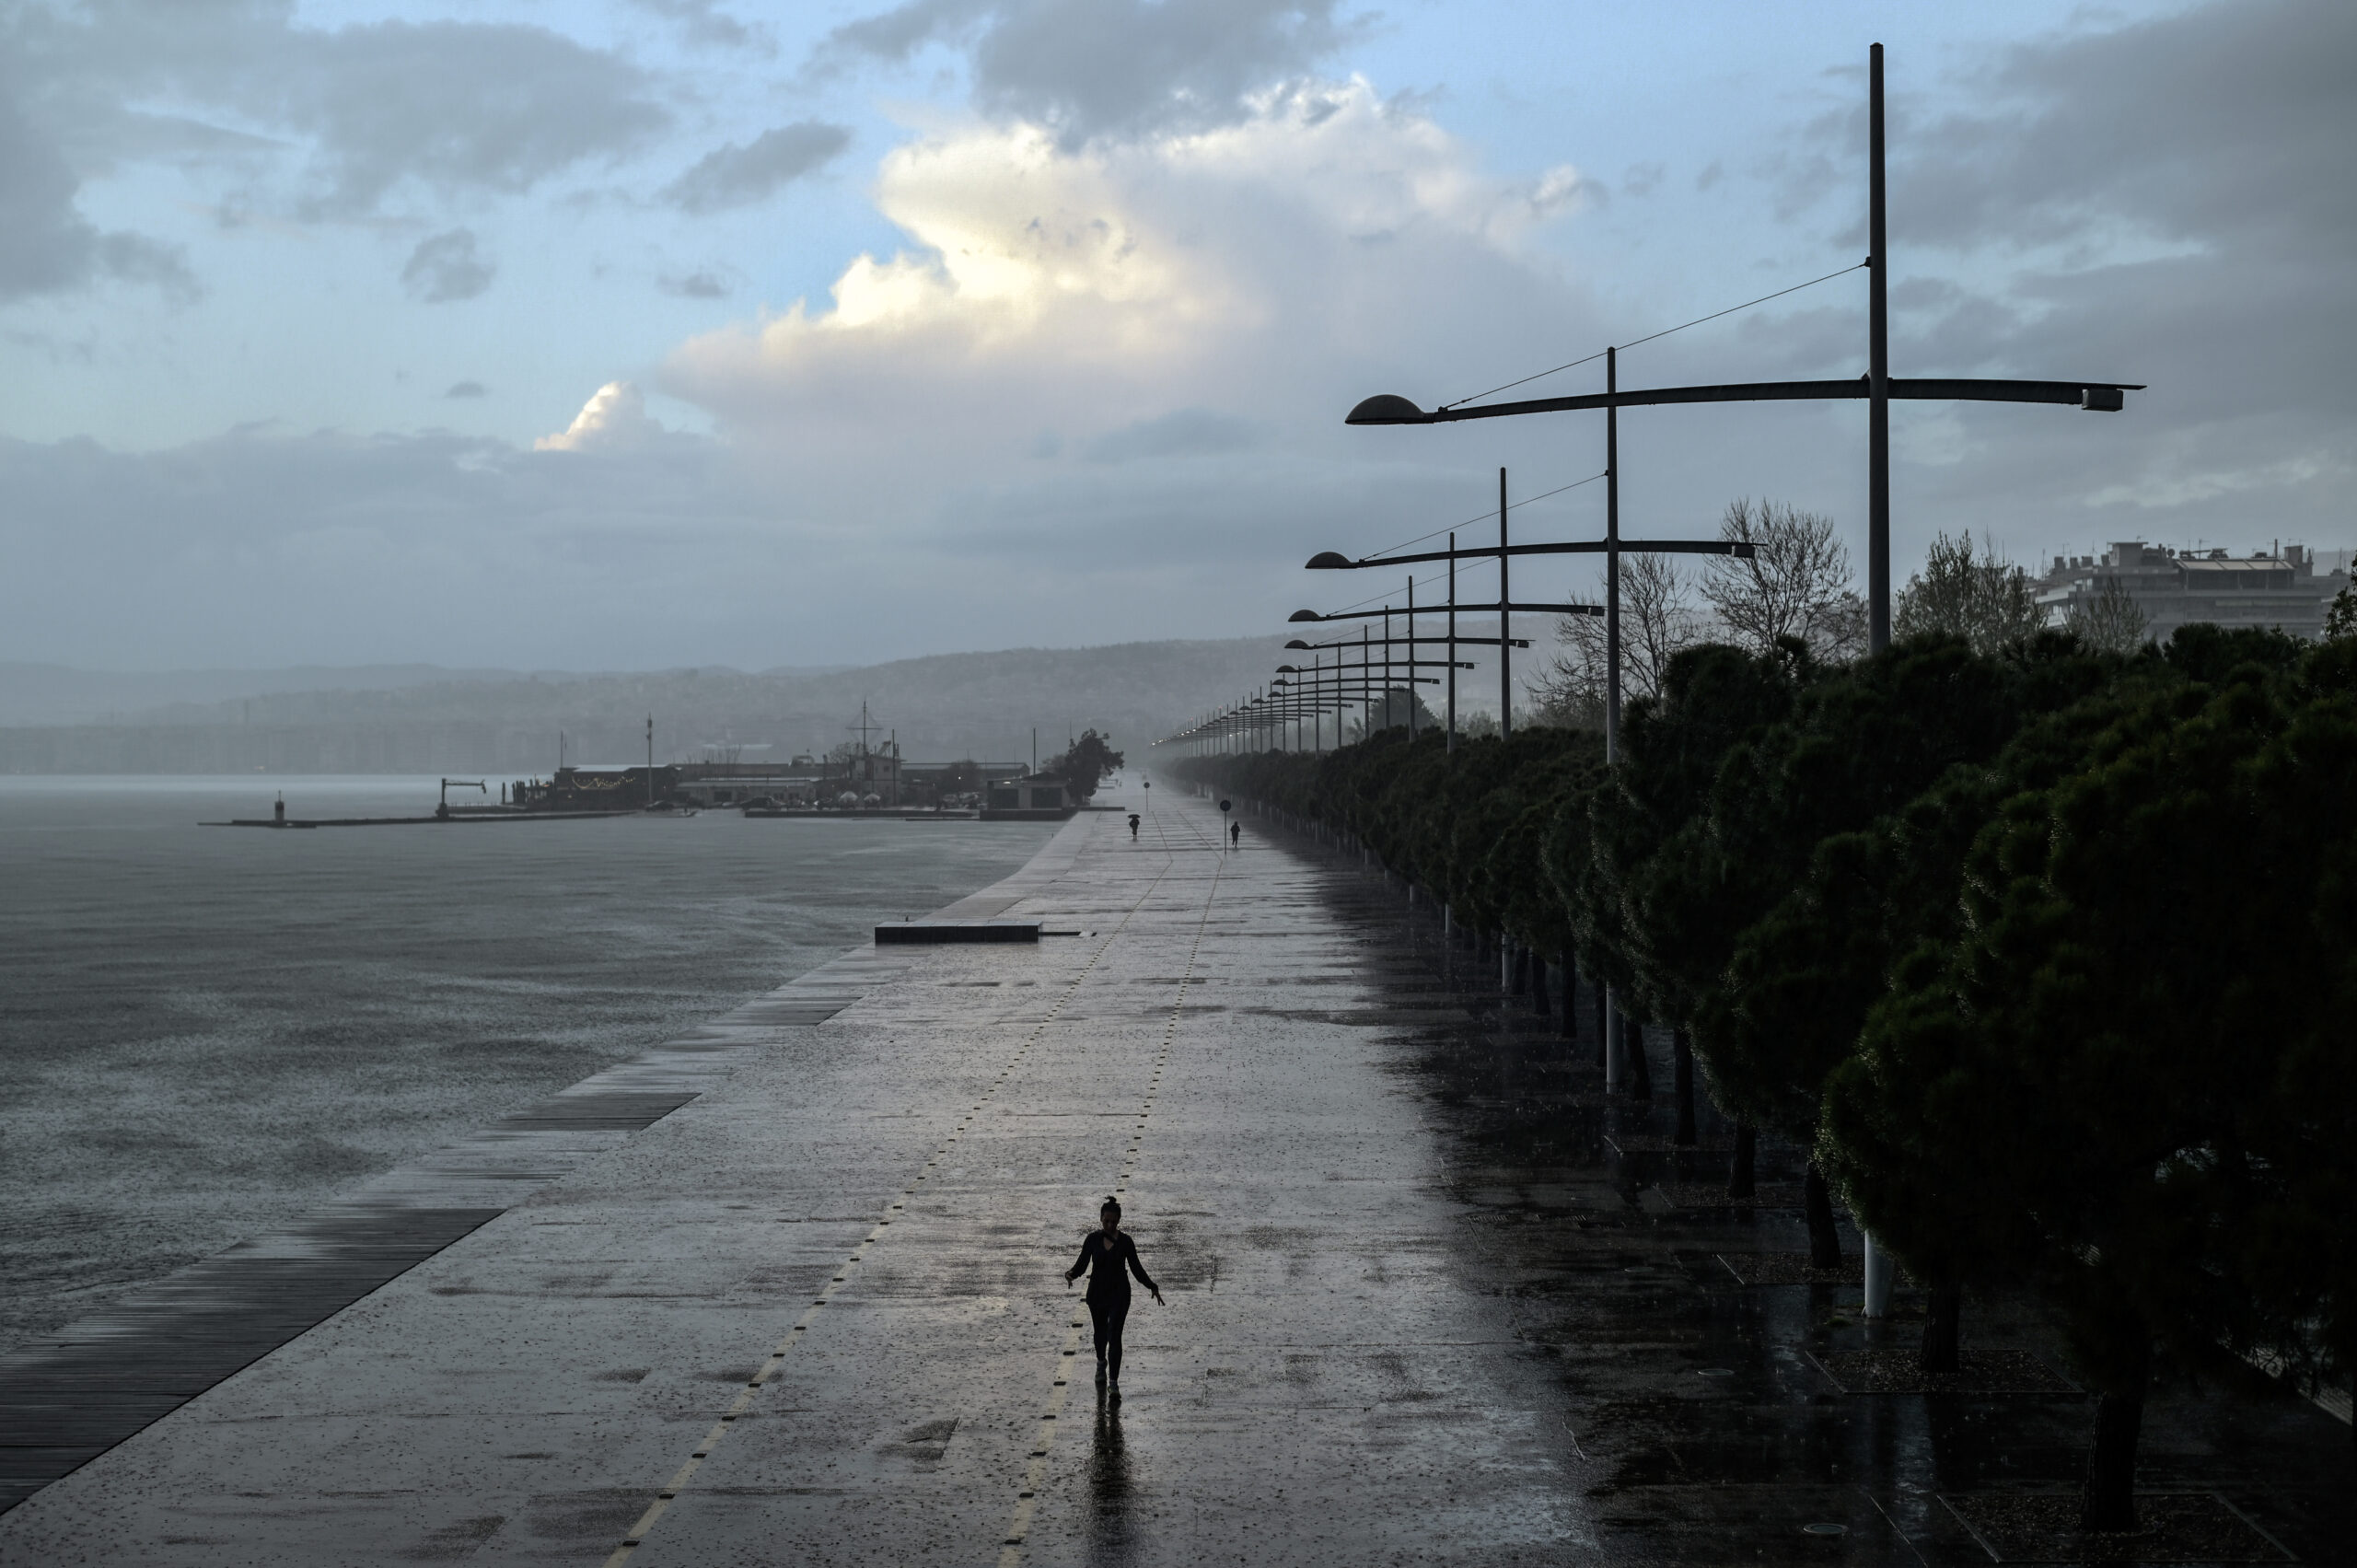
x: 1109, y: 1488
x: 1702, y: 1426
x: 1426, y: 1298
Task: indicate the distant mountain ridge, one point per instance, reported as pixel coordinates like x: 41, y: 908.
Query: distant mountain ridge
x: 55, y: 693
x: 415, y: 718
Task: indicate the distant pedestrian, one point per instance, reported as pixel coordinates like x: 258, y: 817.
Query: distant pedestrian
x: 1235, y: 835
x: 1108, y: 1257
x: 1133, y: 827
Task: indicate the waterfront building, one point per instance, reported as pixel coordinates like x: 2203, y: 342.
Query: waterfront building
x: 1032, y: 792
x: 2175, y: 587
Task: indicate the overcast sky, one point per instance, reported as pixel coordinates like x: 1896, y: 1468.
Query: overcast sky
x: 689, y: 331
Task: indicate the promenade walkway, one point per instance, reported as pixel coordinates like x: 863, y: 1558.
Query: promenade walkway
x: 817, y: 1314
x: 1432, y: 1298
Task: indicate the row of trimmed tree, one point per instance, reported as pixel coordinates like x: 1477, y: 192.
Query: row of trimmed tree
x: 2048, y: 958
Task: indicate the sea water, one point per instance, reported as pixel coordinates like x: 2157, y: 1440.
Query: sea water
x: 206, y: 1031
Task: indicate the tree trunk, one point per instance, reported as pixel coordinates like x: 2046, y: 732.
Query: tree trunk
x: 2108, y: 1500
x: 1539, y: 982
x: 1570, y: 996
x: 1943, y: 1343
x: 1682, y: 1086
x: 1641, y: 1068
x: 1739, y: 1178
x: 1603, y: 1027
x: 1816, y: 1202
x: 1517, y: 967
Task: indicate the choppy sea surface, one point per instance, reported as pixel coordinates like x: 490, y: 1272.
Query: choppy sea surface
x: 206, y: 1031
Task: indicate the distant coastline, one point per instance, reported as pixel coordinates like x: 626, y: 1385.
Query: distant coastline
x: 982, y: 705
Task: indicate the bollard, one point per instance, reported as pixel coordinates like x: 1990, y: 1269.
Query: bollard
x: 1614, y: 1044
x: 1877, y: 1278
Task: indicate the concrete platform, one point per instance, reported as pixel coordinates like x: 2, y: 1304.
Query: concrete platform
x: 1321, y: 1385
x: 1417, y: 1310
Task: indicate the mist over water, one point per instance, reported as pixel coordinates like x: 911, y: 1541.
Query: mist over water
x: 206, y: 1031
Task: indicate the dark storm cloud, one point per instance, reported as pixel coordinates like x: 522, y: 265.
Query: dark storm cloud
x: 452, y: 105
x: 1107, y: 67
x: 695, y: 285
x: 46, y: 246
x: 2169, y: 202
x: 737, y: 176
x: 228, y: 546
x: 1189, y: 433
x: 447, y: 267
x: 2227, y: 123
x: 702, y: 21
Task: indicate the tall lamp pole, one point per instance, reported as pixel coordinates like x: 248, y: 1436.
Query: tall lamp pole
x: 1505, y: 628
x: 1611, y: 558
x: 1450, y: 744
x: 1879, y: 374
x: 1878, y: 388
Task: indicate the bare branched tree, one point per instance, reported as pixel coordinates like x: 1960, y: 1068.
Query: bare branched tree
x: 1569, y: 693
x: 2110, y: 620
x: 1657, y: 618
x: 1795, y: 583
x: 2341, y: 616
x: 1984, y: 598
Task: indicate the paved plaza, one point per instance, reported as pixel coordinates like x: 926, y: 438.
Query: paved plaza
x: 1431, y: 1297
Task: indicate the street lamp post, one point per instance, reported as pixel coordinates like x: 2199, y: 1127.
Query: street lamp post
x: 1878, y: 373
x: 1876, y: 388
x: 1505, y: 612
x: 1450, y: 744
x: 1611, y: 564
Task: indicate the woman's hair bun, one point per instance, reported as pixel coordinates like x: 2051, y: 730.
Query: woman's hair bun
x: 1110, y: 1204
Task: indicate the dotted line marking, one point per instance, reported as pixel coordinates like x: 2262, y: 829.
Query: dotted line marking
x: 1018, y: 1525
x: 776, y: 1361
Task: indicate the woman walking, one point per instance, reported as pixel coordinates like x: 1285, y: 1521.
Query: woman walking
x: 1108, y: 1257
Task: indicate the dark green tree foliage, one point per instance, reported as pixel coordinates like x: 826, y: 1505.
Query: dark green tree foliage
x: 1086, y: 764
x: 1776, y: 902
x: 1658, y: 881
x: 1786, y: 858
x: 1468, y: 828
x: 2100, y: 1056
x: 1646, y: 845
x: 2297, y: 1252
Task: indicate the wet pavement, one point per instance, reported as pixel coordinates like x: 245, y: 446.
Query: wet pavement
x: 1420, y: 1307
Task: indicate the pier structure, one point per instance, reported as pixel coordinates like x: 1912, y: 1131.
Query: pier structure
x: 790, y: 1289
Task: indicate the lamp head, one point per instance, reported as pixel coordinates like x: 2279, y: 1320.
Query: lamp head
x: 1296, y: 643
x: 1388, y: 408
x: 1328, y: 560
x: 1304, y: 615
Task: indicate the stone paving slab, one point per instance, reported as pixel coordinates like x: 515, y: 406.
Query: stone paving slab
x: 1416, y: 1308
x: 1321, y: 1386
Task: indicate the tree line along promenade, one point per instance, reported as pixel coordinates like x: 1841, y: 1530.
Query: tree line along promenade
x: 2043, y: 954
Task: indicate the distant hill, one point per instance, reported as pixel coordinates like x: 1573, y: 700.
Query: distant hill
x: 417, y: 719
x: 53, y: 694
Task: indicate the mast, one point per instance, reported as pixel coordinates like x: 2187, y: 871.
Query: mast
x: 1611, y: 560
x: 1506, y: 619
x: 1450, y: 744
x: 1878, y: 375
